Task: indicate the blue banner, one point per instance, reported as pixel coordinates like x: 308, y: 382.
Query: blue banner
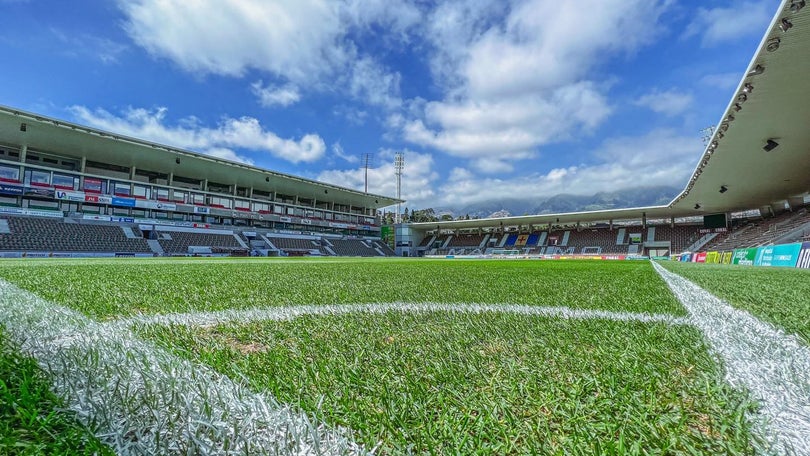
x: 11, y: 189
x: 778, y: 255
x: 123, y: 202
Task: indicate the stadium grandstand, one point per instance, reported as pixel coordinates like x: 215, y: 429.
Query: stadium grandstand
x: 70, y: 190
x: 749, y: 188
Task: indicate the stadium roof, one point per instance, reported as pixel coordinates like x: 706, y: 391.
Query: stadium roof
x: 772, y: 102
x: 45, y: 134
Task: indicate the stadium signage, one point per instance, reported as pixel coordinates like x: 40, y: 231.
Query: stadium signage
x: 744, y: 257
x: 713, y: 230
x: 804, y: 257
x: 23, y: 211
x: 11, y: 189
x: 70, y: 196
x: 201, y: 210
x: 123, y: 202
x: 784, y: 255
x: 159, y: 205
x: 97, y: 199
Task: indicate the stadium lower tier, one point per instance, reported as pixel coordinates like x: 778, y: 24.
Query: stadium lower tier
x: 30, y: 236
x: 652, y: 240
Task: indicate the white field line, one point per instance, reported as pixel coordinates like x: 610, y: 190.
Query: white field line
x: 288, y: 313
x: 141, y: 400
x: 772, y: 365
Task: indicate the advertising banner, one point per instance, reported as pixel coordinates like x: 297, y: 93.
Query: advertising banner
x: 744, y: 256
x: 97, y: 199
x: 635, y: 238
x: 699, y: 257
x: 712, y: 257
x: 159, y: 205
x: 201, y: 210
x: 686, y: 257
x: 11, y: 189
x: 39, y: 191
x: 804, y: 257
x: 123, y: 202
x: 70, y: 196
x: 34, y: 212
x: 778, y: 255
x: 725, y: 257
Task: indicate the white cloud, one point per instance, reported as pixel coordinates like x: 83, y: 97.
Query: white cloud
x: 671, y: 102
x: 371, y: 82
x: 667, y: 159
x: 504, y: 131
x: 723, y: 81
x: 270, y: 96
x: 242, y: 133
x: 519, y: 80
x: 90, y: 47
x: 338, y: 151
x: 719, y: 25
x: 306, y: 43
x: 417, y: 181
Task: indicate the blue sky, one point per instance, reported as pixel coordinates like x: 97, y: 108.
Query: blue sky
x: 487, y: 99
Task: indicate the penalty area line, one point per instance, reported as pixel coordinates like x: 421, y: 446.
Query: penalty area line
x: 759, y: 357
x: 282, y: 313
x: 139, y: 399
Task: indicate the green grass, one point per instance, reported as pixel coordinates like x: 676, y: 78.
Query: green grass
x: 111, y: 289
x: 31, y: 422
x: 778, y: 295
x: 444, y: 383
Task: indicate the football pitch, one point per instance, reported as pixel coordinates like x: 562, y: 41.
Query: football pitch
x: 397, y: 356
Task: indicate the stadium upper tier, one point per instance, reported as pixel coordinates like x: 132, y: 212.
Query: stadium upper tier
x: 758, y: 156
x: 51, y: 164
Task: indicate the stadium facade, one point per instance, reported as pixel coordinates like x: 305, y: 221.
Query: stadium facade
x: 51, y: 165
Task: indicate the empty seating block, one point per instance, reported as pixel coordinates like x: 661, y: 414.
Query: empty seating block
x: 181, y: 241
x: 30, y: 234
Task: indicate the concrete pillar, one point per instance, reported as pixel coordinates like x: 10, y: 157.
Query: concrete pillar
x: 795, y: 202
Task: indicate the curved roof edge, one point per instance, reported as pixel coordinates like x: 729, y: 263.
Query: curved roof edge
x: 59, y: 129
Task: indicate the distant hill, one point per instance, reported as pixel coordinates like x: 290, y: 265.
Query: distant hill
x: 636, y: 197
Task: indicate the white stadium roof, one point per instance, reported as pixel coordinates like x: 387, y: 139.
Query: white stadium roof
x: 772, y: 102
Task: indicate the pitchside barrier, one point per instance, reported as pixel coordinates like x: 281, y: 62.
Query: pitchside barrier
x: 796, y: 255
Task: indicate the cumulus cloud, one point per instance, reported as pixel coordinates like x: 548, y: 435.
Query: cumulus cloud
x: 306, y: 43
x: 517, y: 81
x: 242, y: 133
x: 510, y: 129
x: 722, y: 24
x: 418, y: 178
x: 667, y: 159
x: 670, y: 102
x: 273, y: 95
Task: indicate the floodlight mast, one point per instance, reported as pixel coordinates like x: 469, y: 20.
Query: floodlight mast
x: 366, y: 165
x: 399, y: 164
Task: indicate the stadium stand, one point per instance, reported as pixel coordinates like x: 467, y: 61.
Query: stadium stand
x: 298, y: 246
x: 353, y: 247
x: 754, y: 233
x: 178, y: 242
x: 29, y: 234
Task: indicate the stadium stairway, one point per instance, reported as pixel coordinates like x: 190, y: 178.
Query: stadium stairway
x: 155, y: 246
